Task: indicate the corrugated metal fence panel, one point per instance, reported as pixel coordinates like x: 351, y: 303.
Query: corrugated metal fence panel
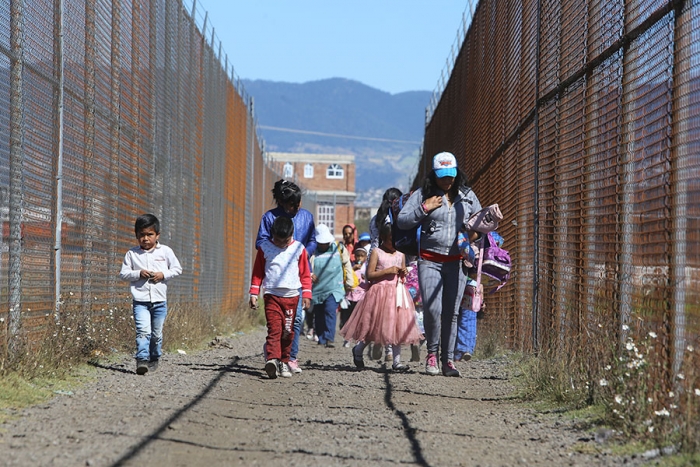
x: 595, y: 136
x: 152, y: 122
x: 38, y: 170
x: 685, y: 215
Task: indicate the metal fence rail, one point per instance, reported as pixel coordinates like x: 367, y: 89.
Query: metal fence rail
x: 580, y: 118
x: 113, y: 108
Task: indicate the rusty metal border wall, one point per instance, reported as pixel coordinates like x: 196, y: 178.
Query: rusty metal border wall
x: 113, y: 108
x: 580, y: 118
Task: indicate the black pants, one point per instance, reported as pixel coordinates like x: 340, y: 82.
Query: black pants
x: 345, y: 314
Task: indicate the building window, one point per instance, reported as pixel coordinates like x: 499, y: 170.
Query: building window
x: 308, y: 171
x: 325, y: 214
x: 288, y: 171
x: 335, y: 171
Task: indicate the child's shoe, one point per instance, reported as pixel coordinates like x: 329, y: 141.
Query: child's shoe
x: 357, y: 358
x: 462, y: 357
x: 399, y: 367
x: 294, y: 366
x: 271, y: 368
x: 284, y: 370
x: 449, y: 369
x: 389, y: 357
x: 346, y: 344
x: 310, y: 334
x: 153, y: 365
x: 431, y: 366
x: 141, y: 367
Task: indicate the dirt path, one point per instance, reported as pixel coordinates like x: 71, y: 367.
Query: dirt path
x: 216, y: 408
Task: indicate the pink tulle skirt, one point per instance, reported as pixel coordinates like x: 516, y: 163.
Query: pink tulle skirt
x: 376, y: 318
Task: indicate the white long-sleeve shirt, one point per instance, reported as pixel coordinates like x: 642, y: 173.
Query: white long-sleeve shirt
x: 158, y: 259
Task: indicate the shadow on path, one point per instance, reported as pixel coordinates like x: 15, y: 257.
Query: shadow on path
x: 410, y: 432
x: 155, y: 435
x: 116, y: 368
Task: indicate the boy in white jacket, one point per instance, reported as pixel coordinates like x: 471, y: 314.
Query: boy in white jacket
x: 148, y: 267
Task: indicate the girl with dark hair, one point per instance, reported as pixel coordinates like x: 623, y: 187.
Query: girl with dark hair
x: 375, y: 224
x: 287, y: 196
x: 382, y: 216
x: 350, y: 239
x: 441, y: 207
x: 385, y: 315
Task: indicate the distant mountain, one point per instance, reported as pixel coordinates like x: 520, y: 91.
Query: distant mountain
x: 382, y: 130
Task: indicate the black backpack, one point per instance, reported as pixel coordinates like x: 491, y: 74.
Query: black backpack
x: 405, y: 241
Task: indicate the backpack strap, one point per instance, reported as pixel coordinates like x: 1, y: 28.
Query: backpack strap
x: 481, y: 261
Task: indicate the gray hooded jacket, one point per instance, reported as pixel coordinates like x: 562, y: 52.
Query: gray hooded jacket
x: 439, y: 227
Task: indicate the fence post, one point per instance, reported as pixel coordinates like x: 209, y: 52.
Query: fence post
x: 250, y: 198
x: 16, y: 172
x: 115, y: 128
x: 536, y: 194
x: 59, y: 161
x: 89, y: 214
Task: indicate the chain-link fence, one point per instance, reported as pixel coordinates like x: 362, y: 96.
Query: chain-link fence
x: 113, y: 108
x: 581, y: 119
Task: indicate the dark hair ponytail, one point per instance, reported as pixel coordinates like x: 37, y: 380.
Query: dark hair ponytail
x: 285, y: 192
x: 389, y: 196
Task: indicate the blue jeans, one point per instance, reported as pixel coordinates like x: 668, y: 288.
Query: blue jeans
x: 149, y: 318
x: 298, y: 322
x: 466, y: 333
x: 325, y: 319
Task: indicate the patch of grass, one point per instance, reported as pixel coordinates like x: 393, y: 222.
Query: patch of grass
x: 54, y: 360
x: 17, y: 392
x: 680, y: 460
x: 189, y: 328
x: 489, y: 344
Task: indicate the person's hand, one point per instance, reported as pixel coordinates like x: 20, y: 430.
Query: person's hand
x: 157, y: 277
x: 145, y: 274
x: 306, y: 303
x: 403, y: 272
x: 253, y: 302
x: 432, y: 203
x: 393, y: 270
x: 314, y: 279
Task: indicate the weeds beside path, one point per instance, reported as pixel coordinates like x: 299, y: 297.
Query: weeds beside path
x: 215, y: 407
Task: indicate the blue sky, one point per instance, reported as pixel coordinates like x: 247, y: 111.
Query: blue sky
x: 391, y: 45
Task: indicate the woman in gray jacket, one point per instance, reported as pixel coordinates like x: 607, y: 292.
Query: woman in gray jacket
x: 441, y: 206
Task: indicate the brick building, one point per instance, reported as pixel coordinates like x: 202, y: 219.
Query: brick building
x: 328, y: 181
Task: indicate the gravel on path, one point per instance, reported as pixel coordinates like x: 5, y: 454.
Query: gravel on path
x: 217, y: 407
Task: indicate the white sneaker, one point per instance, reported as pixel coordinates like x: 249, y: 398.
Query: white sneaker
x: 284, y: 370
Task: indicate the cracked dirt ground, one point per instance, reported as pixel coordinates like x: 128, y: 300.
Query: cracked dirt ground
x: 217, y: 407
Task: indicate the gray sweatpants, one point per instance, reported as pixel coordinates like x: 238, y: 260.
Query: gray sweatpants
x: 441, y: 287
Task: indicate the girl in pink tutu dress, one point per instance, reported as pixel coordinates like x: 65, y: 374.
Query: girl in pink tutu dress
x: 386, y: 315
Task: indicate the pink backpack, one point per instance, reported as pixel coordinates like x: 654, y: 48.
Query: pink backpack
x: 494, y: 263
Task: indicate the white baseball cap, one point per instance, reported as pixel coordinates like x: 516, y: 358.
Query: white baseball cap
x: 323, y: 234
x: 445, y: 165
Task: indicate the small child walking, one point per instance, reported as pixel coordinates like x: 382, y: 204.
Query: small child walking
x: 386, y: 315
x: 149, y: 267
x: 282, y: 269
x: 358, y: 293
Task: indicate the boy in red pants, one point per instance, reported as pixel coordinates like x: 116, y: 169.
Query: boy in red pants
x: 281, y: 268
